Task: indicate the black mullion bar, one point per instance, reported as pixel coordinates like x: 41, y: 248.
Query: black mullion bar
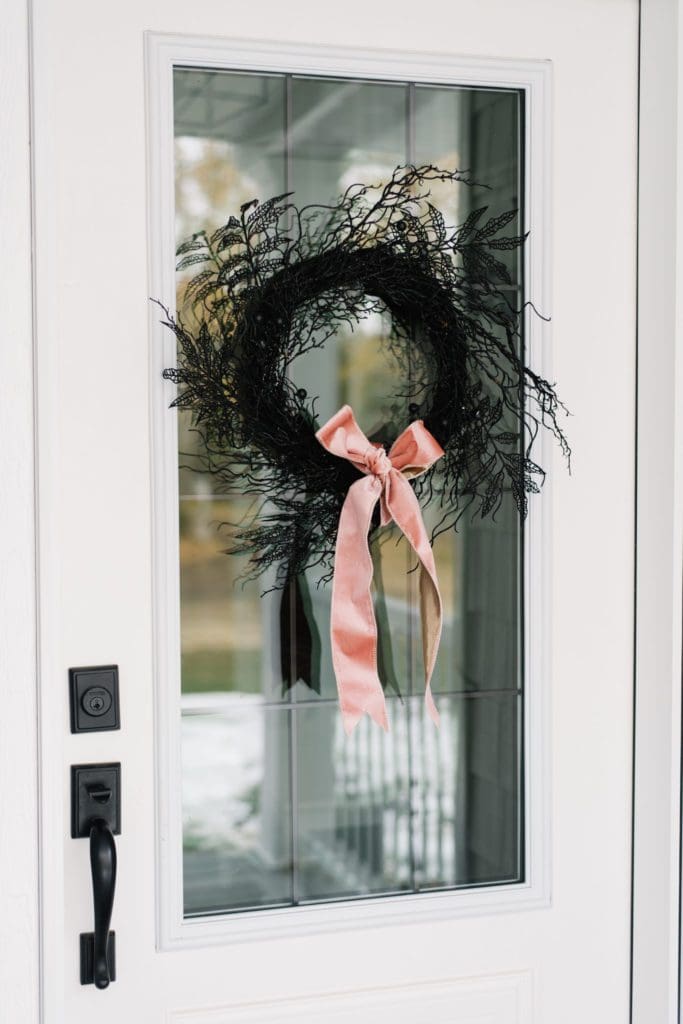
x: 521, y: 571
x: 509, y: 691
x: 410, y: 655
x: 290, y: 705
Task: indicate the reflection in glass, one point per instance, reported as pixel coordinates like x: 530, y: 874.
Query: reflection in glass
x: 353, y: 813
x: 236, y: 795
x: 223, y: 621
x: 467, y: 796
x: 343, y: 133
x: 279, y: 806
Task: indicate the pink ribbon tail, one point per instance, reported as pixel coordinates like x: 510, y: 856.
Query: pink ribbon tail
x: 353, y: 627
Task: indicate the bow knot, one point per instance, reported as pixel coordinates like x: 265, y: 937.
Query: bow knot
x: 352, y: 619
x: 377, y: 461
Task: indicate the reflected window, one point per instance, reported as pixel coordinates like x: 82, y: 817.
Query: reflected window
x: 280, y: 807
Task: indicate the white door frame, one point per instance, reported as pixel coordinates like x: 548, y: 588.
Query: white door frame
x: 656, y: 940
x: 19, y: 870
x: 659, y: 510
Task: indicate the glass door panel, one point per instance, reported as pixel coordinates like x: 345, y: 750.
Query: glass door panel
x: 280, y: 808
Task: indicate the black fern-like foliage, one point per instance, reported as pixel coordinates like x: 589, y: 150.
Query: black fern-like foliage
x: 280, y: 280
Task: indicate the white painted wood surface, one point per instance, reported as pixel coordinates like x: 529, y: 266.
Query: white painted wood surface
x: 657, y: 796
x: 503, y: 999
x: 19, y: 934
x: 96, y: 510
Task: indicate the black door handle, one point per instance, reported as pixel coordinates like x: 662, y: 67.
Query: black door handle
x: 96, y: 814
x: 103, y: 868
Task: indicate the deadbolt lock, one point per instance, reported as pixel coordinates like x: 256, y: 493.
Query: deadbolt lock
x: 94, y: 698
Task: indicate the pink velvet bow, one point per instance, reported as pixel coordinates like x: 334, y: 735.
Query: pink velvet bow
x: 353, y: 627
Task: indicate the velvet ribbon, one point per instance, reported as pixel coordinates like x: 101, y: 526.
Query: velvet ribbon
x: 352, y: 620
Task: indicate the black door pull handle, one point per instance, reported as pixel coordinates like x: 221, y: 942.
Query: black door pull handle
x: 103, y: 868
x: 96, y: 814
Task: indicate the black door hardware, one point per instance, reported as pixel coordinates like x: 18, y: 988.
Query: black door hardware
x: 96, y: 813
x: 94, y: 698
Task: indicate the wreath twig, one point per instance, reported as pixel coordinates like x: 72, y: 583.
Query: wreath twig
x: 280, y: 280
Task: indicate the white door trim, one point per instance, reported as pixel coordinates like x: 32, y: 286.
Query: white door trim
x: 659, y: 557
x: 19, y: 879
x: 533, y: 77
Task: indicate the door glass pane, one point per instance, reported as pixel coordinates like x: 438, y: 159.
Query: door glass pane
x: 280, y: 807
x: 236, y: 795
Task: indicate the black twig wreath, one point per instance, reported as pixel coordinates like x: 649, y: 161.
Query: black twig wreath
x: 280, y: 280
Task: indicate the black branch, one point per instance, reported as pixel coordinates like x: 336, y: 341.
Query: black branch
x: 279, y: 280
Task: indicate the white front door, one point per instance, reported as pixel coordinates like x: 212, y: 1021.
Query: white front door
x: 268, y: 868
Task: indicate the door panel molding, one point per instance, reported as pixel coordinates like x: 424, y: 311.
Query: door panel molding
x: 490, y: 999
x: 534, y: 77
